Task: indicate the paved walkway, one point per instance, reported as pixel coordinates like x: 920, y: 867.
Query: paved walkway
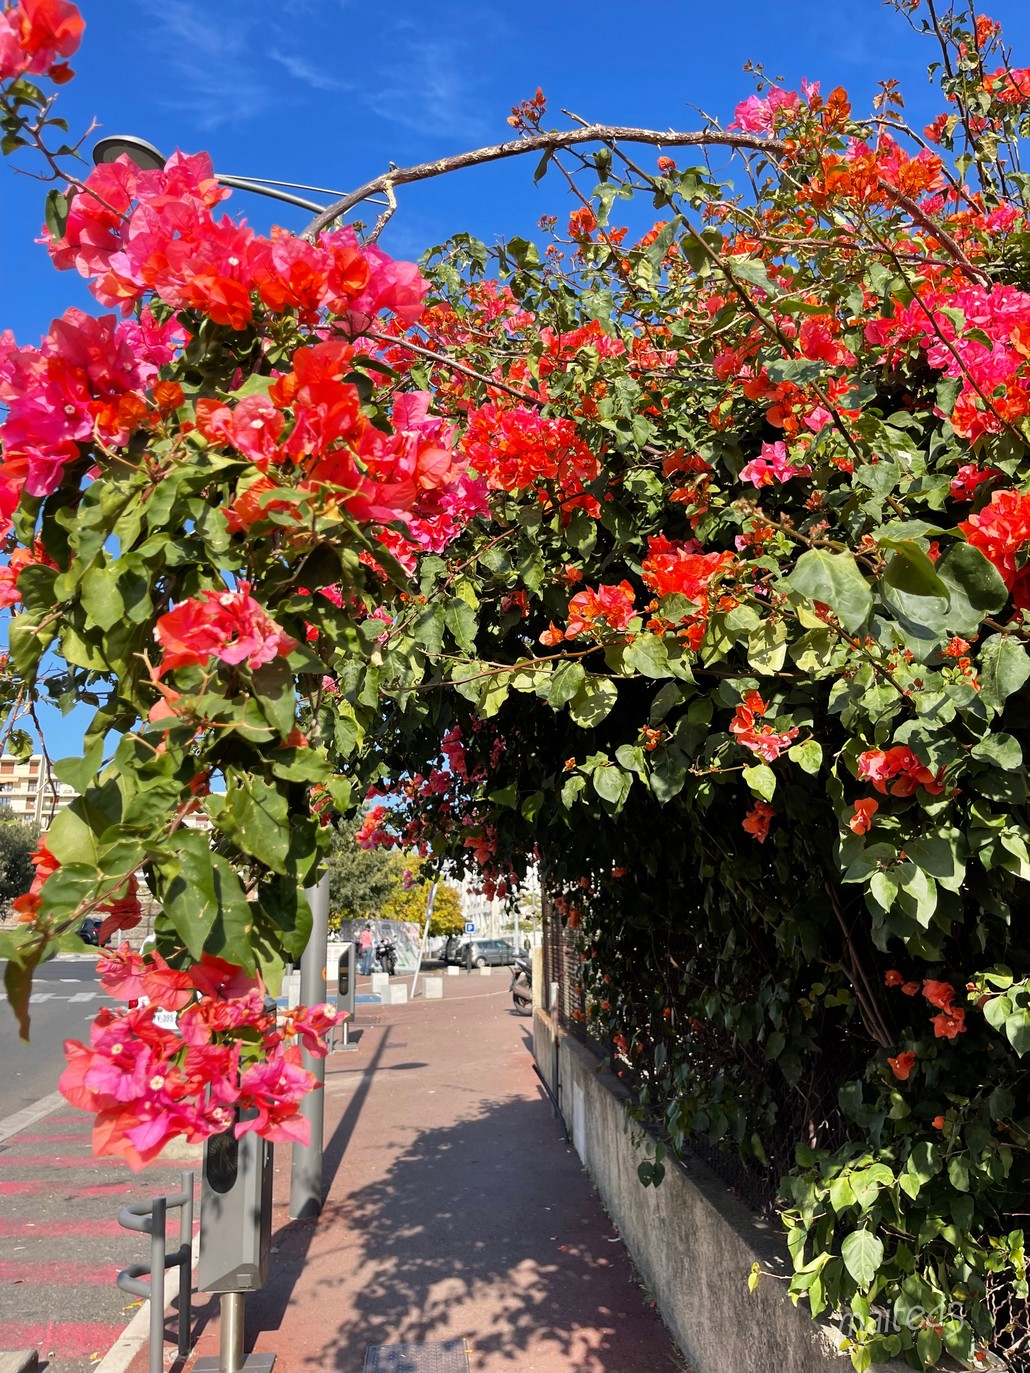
x: 453, y: 1210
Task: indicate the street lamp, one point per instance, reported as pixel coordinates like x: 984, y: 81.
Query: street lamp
x: 149, y: 159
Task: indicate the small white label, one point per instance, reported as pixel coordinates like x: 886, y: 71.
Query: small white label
x: 166, y: 1020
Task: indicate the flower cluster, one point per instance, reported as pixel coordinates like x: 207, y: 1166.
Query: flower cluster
x: 228, y: 625
x: 760, y: 739
x: 34, y: 34
x: 515, y: 448
x: 226, y: 1065
x: 136, y: 233
x: 1001, y: 531
x: 899, y: 772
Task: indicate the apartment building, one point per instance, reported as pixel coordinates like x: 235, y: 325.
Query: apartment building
x: 29, y: 787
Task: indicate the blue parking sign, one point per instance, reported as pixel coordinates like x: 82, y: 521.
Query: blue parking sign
x: 470, y: 927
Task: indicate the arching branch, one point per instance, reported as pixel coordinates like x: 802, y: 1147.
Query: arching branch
x: 542, y: 142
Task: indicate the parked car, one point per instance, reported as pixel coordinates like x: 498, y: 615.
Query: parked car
x: 89, y: 931
x: 485, y: 953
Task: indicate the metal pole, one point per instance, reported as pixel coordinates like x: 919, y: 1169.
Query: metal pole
x: 230, y: 1333
x: 306, y: 1165
x: 157, y: 1285
x: 431, y: 901
x: 186, y: 1263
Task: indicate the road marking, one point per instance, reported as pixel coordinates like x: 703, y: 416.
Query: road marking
x: 68, y: 1340
x: 29, y: 1115
x: 59, y: 1161
x: 60, y: 1229
x: 37, y: 997
x: 84, y: 996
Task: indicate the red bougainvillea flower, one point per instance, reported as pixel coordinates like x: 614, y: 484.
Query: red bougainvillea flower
x: 892, y: 978
x: 902, y: 1066
x: 940, y: 994
x: 21, y: 558
x: 949, y: 1024
x: 611, y: 605
x: 900, y: 767
x: 758, y: 820
x: 228, y: 625
x: 862, y: 820
x: 1001, y: 531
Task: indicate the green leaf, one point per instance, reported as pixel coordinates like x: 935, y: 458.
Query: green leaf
x: 462, y: 621
x: 835, y: 580
x: 101, y: 598
x: 648, y: 656
x: 18, y: 986
x: 762, y: 780
x: 767, y: 647
x: 1000, y: 750
x: 911, y: 585
x: 204, y: 901
x: 593, y: 702
x: 612, y: 784
x: 808, y: 756
x: 975, y: 587
x: 255, y: 816
x: 862, y: 1253
x: 1004, y: 668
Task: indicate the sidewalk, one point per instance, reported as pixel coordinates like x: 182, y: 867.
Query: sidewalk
x: 453, y: 1211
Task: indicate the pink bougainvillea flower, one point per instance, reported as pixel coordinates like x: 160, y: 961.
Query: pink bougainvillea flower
x: 34, y: 34
x: 760, y: 739
x: 168, y: 987
x: 773, y: 465
x: 228, y: 625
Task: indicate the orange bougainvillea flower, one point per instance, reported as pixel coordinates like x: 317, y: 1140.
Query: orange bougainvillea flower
x: 949, y: 1024
x: 937, y: 1122
x: 910, y: 988
x: 940, y: 994
x: 893, y: 978
x: 902, y: 1066
x: 758, y: 820
x: 862, y: 820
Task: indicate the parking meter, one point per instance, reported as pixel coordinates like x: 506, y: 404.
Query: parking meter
x: 346, y: 980
x: 235, y: 1213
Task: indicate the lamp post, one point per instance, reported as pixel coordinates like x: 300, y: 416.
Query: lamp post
x: 149, y: 159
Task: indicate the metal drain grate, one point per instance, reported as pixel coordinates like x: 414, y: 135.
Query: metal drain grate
x: 446, y: 1356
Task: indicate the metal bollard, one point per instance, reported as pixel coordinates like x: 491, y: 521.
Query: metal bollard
x: 150, y: 1217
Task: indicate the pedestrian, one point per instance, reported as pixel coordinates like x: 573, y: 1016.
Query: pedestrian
x: 365, y: 946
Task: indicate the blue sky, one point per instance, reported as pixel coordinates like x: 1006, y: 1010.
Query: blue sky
x: 331, y: 92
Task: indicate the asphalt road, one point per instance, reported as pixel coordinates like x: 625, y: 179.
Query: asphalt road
x: 65, y: 997
x: 61, y: 1245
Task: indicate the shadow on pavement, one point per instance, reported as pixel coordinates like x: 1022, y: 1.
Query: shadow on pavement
x: 467, y: 1235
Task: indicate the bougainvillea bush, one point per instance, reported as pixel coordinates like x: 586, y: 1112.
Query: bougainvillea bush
x: 690, y: 564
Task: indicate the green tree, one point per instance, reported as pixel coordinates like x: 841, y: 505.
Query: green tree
x: 409, y: 903
x: 361, y: 880
x: 17, y: 842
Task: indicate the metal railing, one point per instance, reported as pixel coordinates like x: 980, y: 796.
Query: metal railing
x: 150, y: 1217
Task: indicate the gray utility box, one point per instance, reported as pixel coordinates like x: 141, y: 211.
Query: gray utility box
x: 235, y: 1213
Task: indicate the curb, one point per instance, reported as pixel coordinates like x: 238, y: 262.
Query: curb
x: 134, y: 1336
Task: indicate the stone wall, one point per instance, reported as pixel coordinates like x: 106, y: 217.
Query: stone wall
x: 692, y: 1241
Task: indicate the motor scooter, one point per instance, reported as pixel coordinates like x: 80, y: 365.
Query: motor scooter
x: 522, y: 984
x: 386, y: 956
